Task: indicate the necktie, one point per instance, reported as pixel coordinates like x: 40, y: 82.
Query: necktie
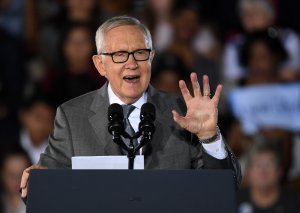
x: 127, y: 110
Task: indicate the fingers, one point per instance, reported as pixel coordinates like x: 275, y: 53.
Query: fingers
x: 184, y: 91
x: 206, y: 86
x: 25, y: 177
x: 195, y: 84
x: 197, y: 91
x: 24, y: 181
x: 217, y: 95
x: 179, y: 119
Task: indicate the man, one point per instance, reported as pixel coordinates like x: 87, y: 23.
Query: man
x: 36, y: 118
x: 124, y: 57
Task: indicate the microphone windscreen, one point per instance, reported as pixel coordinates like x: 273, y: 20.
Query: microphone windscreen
x: 148, y: 109
x: 115, y: 109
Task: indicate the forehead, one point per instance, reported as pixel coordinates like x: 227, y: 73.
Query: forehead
x: 124, y: 38
x: 254, y: 7
x: 264, y: 156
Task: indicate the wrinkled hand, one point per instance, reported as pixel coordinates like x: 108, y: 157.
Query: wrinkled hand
x: 202, y: 111
x: 25, y: 177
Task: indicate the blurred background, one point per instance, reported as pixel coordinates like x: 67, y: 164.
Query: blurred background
x: 252, y: 47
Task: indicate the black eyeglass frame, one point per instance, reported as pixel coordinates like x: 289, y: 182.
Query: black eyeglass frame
x: 111, y: 54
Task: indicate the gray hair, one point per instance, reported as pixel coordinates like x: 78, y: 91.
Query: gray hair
x: 266, y: 5
x: 263, y: 145
x: 117, y: 22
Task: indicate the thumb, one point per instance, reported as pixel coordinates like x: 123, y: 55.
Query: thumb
x: 179, y: 119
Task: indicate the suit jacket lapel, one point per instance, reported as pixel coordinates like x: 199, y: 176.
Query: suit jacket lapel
x: 99, y: 122
x: 158, y: 141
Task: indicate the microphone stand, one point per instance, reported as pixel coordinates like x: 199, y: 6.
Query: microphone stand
x: 131, y: 150
x: 131, y: 154
x: 146, y: 138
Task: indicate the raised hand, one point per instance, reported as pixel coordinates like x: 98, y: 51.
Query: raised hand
x: 202, y: 110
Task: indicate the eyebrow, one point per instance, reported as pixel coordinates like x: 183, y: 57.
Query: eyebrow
x: 123, y: 50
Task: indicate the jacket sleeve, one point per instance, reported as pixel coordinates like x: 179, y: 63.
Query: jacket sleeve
x: 205, y: 161
x: 230, y: 162
x: 59, y: 150
x: 202, y: 160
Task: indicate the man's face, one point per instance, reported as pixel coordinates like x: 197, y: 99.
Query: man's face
x: 129, y: 79
x: 38, y: 121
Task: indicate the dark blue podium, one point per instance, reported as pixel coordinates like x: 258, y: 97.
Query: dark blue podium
x: 131, y: 191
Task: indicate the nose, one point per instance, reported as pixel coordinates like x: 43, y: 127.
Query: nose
x: 131, y: 63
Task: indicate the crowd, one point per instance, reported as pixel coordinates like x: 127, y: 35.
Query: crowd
x: 45, y: 59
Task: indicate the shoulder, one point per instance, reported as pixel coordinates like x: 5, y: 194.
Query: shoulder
x: 165, y: 101
x: 82, y: 102
x: 287, y: 33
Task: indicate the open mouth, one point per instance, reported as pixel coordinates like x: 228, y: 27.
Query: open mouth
x: 131, y: 78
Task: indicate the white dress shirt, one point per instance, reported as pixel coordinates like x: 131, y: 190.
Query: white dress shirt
x: 215, y: 149
x: 33, y: 151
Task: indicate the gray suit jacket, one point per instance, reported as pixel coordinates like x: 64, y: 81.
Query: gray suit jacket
x: 80, y: 129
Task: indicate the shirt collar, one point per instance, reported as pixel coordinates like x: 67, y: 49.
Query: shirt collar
x: 113, y: 98
x: 26, y: 142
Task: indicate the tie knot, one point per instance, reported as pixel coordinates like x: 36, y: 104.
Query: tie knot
x: 127, y: 110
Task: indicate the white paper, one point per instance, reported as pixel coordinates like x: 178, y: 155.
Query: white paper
x: 106, y: 162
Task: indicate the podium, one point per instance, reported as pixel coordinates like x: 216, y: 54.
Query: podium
x: 131, y: 191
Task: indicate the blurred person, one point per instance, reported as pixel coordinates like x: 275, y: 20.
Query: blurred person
x: 207, y: 43
x: 80, y: 10
x: 294, y: 172
x: 258, y: 15
x: 167, y: 70
x: 109, y: 9
x: 52, y: 30
x: 264, y: 192
x: 76, y: 74
x: 36, y: 118
x: 47, y: 9
x: 186, y: 25
x: 280, y: 139
x: 18, y: 19
x: 160, y: 19
x: 262, y: 54
x: 13, y: 162
x: 12, y: 17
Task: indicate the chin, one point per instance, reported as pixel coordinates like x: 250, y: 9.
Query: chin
x: 134, y: 96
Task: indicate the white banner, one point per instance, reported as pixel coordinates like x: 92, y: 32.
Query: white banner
x: 276, y: 105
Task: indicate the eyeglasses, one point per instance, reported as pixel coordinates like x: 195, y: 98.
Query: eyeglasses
x: 122, y: 56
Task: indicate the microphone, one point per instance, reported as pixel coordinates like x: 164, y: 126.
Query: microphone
x: 115, y: 119
x: 116, y: 124
x: 146, y: 126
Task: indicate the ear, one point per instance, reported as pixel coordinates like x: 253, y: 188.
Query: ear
x: 152, y: 55
x: 99, y: 65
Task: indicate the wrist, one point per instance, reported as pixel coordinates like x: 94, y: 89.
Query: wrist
x: 210, y: 137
